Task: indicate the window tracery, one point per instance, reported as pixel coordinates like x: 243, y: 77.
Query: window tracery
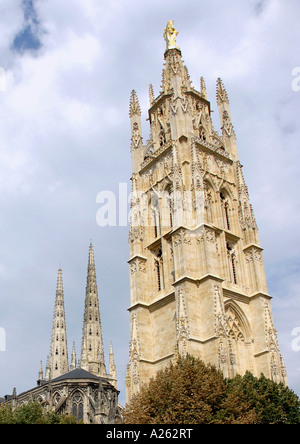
x: 77, y: 405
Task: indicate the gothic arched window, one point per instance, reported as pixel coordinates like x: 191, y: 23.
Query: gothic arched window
x: 159, y: 270
x: 239, y: 334
x: 225, y: 209
x: 158, y: 275
x: 232, y: 263
x: 155, y: 214
x: 77, y: 405
x: 167, y: 208
x: 208, y: 202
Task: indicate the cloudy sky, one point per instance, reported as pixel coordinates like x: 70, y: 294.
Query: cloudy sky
x: 66, y: 73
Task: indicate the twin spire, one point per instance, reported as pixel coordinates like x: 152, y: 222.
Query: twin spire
x: 92, y: 350
x: 58, y: 362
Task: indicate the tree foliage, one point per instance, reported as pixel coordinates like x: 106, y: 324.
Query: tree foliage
x: 32, y: 413
x: 271, y: 402
x: 190, y: 392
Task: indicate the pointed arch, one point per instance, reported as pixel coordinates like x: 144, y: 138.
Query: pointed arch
x: 209, y: 201
x: 239, y: 334
x: 167, y: 210
x: 154, y: 212
x: 77, y: 403
x: 159, y: 267
x: 237, y: 321
x: 231, y: 256
x: 208, y: 179
x: 56, y: 398
x: 226, y: 208
x: 224, y: 188
x: 40, y: 399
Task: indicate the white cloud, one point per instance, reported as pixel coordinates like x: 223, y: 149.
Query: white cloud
x: 11, y: 20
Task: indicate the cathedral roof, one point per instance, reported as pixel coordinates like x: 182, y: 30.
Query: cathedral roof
x: 77, y: 373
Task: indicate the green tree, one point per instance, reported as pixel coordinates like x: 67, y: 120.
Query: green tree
x: 6, y: 414
x: 189, y: 392
x: 32, y: 413
x: 272, y: 403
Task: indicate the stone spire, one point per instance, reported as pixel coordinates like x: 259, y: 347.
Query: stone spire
x: 112, y: 366
x: 136, y: 131
x: 92, y: 352
x: 203, y: 88
x: 175, y: 77
x: 151, y: 94
x: 73, y: 358
x: 228, y: 134
x: 41, y: 371
x: 58, y: 359
x: 134, y: 106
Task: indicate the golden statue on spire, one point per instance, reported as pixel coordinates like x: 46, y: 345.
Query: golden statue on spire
x: 170, y: 34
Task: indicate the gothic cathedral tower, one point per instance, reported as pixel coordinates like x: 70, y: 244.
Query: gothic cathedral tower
x: 58, y: 362
x: 92, y: 350
x: 197, y: 278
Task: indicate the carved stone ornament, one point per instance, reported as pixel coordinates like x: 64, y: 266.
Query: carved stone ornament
x: 182, y: 328
x: 170, y: 35
x: 135, y: 135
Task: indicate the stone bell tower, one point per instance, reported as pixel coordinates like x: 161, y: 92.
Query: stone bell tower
x: 197, y: 278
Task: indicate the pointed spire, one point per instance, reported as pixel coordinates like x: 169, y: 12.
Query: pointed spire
x: 58, y: 360
x: 47, y: 370
x: 112, y: 365
x: 246, y: 214
x: 175, y: 75
x: 228, y: 133
x: 92, y: 353
x: 91, y: 255
x: 151, y: 95
x: 73, y: 358
x: 134, y: 107
x: 222, y: 96
x: 136, y: 132
x: 203, y: 88
x: 41, y: 374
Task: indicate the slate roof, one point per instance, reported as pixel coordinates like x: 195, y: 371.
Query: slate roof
x: 77, y: 373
